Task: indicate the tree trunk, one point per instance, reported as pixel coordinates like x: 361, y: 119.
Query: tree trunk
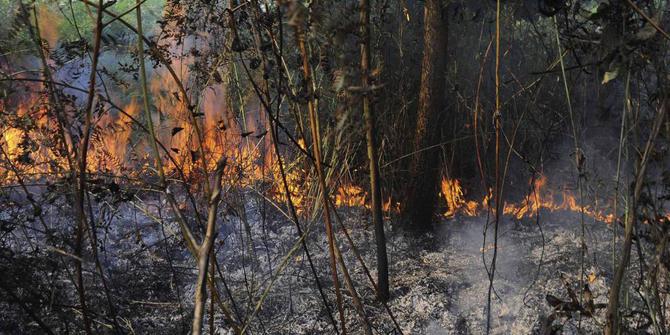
x: 371, y: 134
x: 419, y: 204
x: 204, y: 251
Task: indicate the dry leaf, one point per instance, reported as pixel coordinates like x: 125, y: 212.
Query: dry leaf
x: 592, y: 278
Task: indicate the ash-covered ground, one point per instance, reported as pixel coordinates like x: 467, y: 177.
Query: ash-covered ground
x: 439, y: 281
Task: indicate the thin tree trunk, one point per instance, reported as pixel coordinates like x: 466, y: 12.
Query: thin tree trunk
x: 612, y: 322
x: 204, y: 252
x: 419, y: 205
x: 185, y: 230
x: 316, y: 145
x: 367, y: 328
x: 371, y: 137
x: 274, y: 133
x: 211, y: 301
x: 82, y: 161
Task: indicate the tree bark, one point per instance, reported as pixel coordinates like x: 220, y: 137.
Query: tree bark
x: 419, y: 204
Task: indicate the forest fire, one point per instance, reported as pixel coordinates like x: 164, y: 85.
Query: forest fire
x: 22, y: 140
x: 30, y: 141
x: 453, y: 195
x: 118, y: 146
x: 540, y: 198
x: 247, y: 167
x: 254, y: 162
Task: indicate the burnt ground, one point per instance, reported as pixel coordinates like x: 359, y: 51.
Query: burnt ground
x: 439, y: 282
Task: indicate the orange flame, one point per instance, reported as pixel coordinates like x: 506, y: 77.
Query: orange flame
x: 539, y: 199
x: 113, y: 137
x: 351, y: 196
x: 21, y: 140
x: 453, y: 194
